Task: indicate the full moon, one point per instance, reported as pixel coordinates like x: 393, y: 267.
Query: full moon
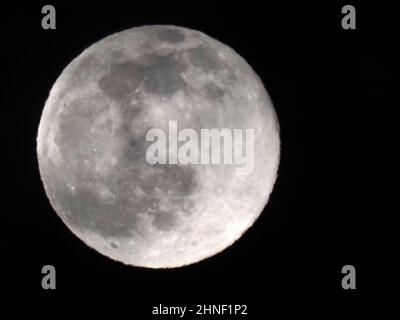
x: 93, y: 140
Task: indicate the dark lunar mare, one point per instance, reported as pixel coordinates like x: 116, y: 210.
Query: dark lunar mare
x: 171, y: 35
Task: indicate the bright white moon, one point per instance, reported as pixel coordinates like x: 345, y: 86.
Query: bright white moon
x: 91, y: 146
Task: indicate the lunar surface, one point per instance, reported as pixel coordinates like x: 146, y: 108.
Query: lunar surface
x: 92, y: 145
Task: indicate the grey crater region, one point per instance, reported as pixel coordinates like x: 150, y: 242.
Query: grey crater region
x: 91, y: 146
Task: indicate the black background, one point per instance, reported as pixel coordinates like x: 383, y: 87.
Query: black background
x: 332, y: 89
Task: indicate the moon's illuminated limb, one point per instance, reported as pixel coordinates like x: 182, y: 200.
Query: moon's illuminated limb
x: 91, y: 146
